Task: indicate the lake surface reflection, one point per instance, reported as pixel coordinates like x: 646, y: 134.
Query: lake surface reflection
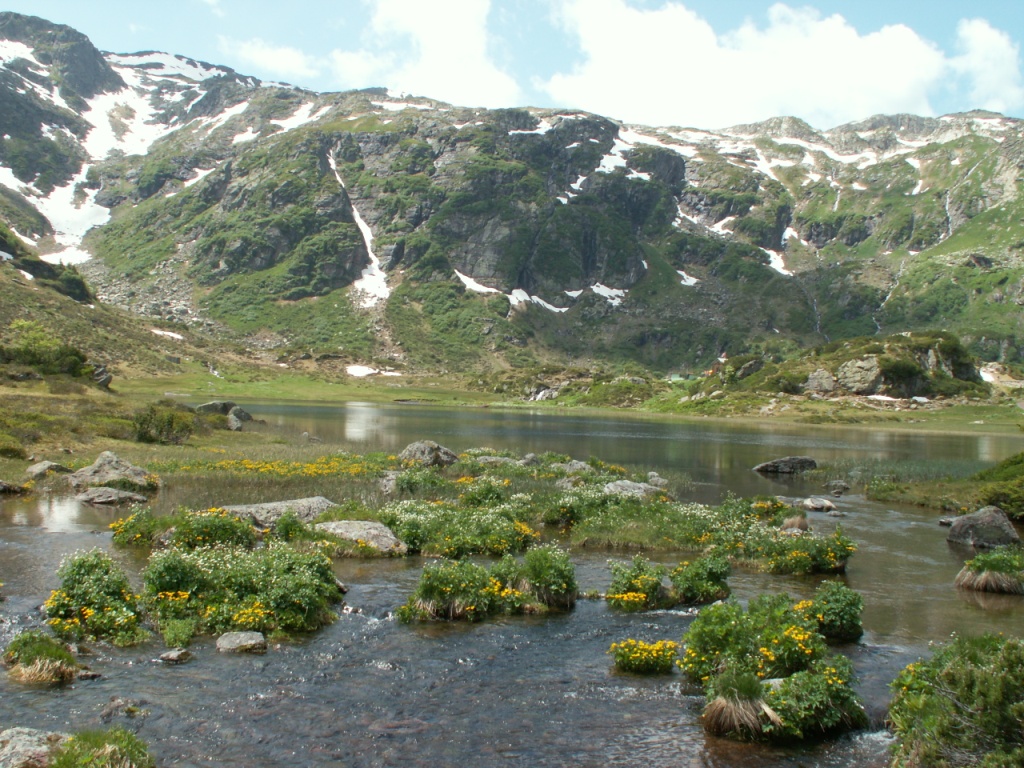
x: 521, y: 691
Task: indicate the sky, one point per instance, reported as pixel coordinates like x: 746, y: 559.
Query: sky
x: 695, y: 63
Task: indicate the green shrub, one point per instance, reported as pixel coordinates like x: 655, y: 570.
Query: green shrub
x: 222, y: 588
x: 451, y: 590
x: 138, y: 529
x: 114, y: 748
x: 422, y: 480
x: 644, y: 658
x: 213, y: 526
x: 454, y: 531
x: 1008, y: 496
x: 815, y: 702
x: 178, y: 633
x: 162, y: 424
x: 837, y: 610
x: 11, y: 448
x: 964, y: 706
x: 701, y: 581
x: 483, y: 491
x: 460, y: 590
x: 289, y: 527
x: 637, y: 587
x: 95, y: 601
x: 770, y: 639
x: 550, y: 576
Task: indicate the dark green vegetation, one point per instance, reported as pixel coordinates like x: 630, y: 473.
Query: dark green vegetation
x: 544, y: 580
x: 640, y: 586
x: 963, y: 706
x: 767, y: 672
x: 1001, y: 570
x: 1001, y: 486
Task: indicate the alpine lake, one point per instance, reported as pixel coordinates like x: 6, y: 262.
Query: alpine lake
x: 516, y: 691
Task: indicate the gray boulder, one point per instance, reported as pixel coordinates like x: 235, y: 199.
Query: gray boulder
x: 653, y: 478
x: 222, y: 407
x: 372, y: 534
x: 985, y: 529
x: 629, y: 488
x: 234, y: 423
x: 788, y: 465
x: 43, y: 468
x: 28, y: 747
x: 817, y: 504
x: 428, y: 454
x: 109, y: 496
x: 837, y: 487
x: 388, y: 482
x: 108, y: 469
x: 573, y: 467
x: 494, y: 461
x: 242, y: 642
x: 176, y: 656
x: 820, y: 381
x: 861, y: 377
x: 266, y: 514
x: 240, y: 413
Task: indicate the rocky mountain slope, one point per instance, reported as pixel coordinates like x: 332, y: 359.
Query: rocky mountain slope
x: 408, y: 232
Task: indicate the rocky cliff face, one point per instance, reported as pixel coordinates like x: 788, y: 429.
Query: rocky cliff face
x: 361, y: 220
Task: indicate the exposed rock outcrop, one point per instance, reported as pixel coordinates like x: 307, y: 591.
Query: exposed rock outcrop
x: 861, y: 377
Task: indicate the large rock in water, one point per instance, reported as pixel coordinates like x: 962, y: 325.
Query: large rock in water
x: 266, y: 514
x: 788, y: 465
x: 28, y: 747
x: 987, y: 528
x: 222, y: 407
x: 371, y: 534
x: 242, y: 642
x: 428, y: 454
x: 108, y: 469
x: 109, y: 496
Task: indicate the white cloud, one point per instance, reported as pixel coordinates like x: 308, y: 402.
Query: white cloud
x: 669, y: 66
x: 278, y: 60
x: 428, y: 49
x: 990, y: 62
x: 215, y: 7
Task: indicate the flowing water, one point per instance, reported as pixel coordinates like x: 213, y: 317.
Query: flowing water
x: 522, y: 691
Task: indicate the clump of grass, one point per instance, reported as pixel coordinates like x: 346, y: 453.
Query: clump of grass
x: 113, y: 748
x: 1001, y: 570
x: 702, y: 580
x: 34, y: 657
x: 737, y: 707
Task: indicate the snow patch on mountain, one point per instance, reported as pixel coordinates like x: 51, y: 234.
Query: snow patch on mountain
x: 776, y: 262
x: 304, y: 114
x: 372, y: 285
x: 166, y: 66
x: 517, y: 297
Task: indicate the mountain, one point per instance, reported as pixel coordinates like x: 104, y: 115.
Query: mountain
x: 405, y: 231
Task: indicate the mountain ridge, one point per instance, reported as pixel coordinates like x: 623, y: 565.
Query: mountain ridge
x: 430, y: 235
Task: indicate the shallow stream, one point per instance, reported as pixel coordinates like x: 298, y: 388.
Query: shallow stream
x: 517, y: 691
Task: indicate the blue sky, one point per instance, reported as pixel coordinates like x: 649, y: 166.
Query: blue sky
x: 702, y: 63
